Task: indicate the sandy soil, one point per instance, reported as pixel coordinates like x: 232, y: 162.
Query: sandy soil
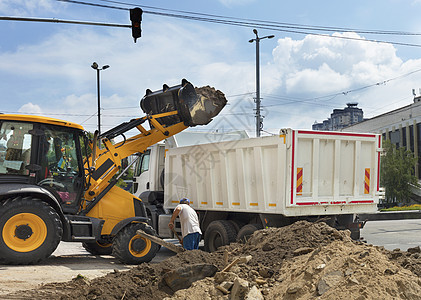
x: 65, y: 264
x: 301, y: 261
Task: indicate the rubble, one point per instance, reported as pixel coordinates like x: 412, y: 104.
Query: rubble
x: 301, y: 261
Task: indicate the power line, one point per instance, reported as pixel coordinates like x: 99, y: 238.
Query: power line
x: 331, y: 96
x: 288, y: 25
x: 275, y: 26
x: 130, y: 107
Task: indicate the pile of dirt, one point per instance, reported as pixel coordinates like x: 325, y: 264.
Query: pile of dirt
x: 142, y: 282
x: 301, y: 261
x: 345, y: 270
x: 211, y: 102
x: 410, y: 259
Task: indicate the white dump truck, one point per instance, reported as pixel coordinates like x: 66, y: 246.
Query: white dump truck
x: 247, y: 184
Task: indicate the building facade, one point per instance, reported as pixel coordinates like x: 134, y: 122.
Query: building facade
x: 401, y: 126
x: 341, y: 118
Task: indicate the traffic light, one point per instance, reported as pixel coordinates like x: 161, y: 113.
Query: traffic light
x: 136, y: 18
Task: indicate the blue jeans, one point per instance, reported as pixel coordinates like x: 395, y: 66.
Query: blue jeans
x: 191, y: 241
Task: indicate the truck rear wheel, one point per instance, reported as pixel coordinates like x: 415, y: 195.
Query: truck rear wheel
x: 98, y: 248
x: 246, y: 231
x: 236, y: 225
x: 130, y: 248
x: 30, y: 231
x: 219, y: 233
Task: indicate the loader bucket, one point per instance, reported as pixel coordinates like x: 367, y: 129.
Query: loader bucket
x: 193, y: 108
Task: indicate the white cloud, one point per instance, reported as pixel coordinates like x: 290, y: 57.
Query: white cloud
x: 58, y: 67
x: 345, y: 62
x: 27, y: 7
x: 62, y: 81
x: 311, y: 69
x: 30, y: 108
x: 231, y: 3
x: 316, y: 81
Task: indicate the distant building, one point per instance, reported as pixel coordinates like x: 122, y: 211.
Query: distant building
x: 341, y: 118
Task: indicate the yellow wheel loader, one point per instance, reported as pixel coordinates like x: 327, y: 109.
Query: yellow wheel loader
x: 58, y: 184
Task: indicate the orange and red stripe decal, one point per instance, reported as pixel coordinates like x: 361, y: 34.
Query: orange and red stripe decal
x: 367, y: 181
x: 299, y: 181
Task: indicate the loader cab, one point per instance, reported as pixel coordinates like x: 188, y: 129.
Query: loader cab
x: 43, y: 154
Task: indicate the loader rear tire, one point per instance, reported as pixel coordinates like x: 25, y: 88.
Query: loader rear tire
x: 30, y: 230
x: 132, y: 249
x: 98, y: 248
x: 219, y: 233
x: 246, y: 231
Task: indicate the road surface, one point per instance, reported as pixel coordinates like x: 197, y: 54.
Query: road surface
x: 402, y: 234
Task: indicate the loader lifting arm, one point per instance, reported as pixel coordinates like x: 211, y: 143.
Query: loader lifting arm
x: 169, y: 111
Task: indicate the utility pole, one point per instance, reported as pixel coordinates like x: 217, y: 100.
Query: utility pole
x: 259, y: 121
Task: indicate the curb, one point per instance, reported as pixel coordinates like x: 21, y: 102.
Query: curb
x: 392, y: 215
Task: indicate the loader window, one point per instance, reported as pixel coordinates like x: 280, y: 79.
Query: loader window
x: 59, y: 162
x: 15, y: 147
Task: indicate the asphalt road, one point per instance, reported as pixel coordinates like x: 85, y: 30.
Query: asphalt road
x: 402, y: 234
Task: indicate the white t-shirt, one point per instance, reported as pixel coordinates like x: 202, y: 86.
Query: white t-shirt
x: 189, y: 220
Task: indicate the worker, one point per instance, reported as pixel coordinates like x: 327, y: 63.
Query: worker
x: 190, y: 228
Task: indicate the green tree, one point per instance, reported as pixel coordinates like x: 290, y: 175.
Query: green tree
x: 127, y: 176
x: 397, y: 172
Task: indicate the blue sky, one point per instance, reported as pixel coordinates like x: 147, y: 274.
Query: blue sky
x: 45, y: 67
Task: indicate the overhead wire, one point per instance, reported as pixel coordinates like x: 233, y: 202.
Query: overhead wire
x: 332, y: 96
x: 277, y: 26
x: 267, y: 25
x: 290, y: 25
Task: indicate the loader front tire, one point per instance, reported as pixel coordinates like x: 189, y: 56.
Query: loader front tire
x: 30, y: 231
x: 132, y: 249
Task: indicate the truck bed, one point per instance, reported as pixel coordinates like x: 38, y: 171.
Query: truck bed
x: 295, y: 173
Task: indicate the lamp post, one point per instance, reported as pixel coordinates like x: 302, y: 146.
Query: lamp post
x: 95, y: 67
x: 259, y: 121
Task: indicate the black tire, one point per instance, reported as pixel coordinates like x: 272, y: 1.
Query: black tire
x: 30, y: 231
x: 219, y: 233
x: 132, y: 249
x: 343, y: 221
x: 246, y: 231
x: 236, y: 225
x: 98, y: 248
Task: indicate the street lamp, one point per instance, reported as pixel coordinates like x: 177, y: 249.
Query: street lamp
x: 95, y: 67
x: 259, y: 121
